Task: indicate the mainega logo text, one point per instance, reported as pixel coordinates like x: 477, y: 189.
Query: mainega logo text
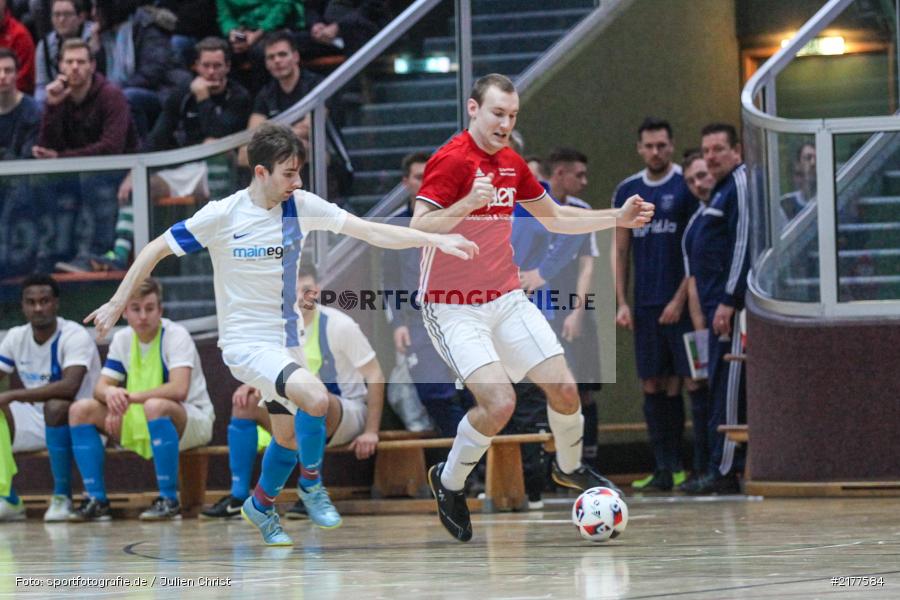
x: 258, y: 252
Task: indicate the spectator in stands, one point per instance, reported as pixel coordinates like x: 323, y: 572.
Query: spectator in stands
x: 162, y: 409
x: 57, y: 362
x: 69, y: 19
x: 212, y: 106
x: 138, y: 56
x: 245, y: 22
x: 20, y: 115
x: 85, y: 115
x: 289, y: 84
x: 719, y: 259
x: 700, y: 182
x: 339, y: 353
x: 804, y: 176
x: 15, y: 36
x: 341, y: 26
x: 435, y: 383
x: 196, y: 19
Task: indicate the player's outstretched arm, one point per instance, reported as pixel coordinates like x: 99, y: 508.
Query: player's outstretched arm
x: 572, y: 220
x: 105, y: 317
x: 398, y: 238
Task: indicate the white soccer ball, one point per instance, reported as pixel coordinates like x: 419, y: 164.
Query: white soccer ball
x: 600, y: 514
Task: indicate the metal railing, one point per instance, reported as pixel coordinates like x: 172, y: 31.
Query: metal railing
x: 587, y: 29
x: 314, y: 103
x: 822, y: 213
x: 140, y: 165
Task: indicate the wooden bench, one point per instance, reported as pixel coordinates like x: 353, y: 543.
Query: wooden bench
x: 399, y: 468
x: 193, y: 466
x: 738, y: 434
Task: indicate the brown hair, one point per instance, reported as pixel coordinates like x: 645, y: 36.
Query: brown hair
x: 147, y: 287
x: 412, y: 158
x: 213, y: 44
x: 7, y: 53
x: 480, y: 87
x: 75, y: 44
x: 690, y: 156
x: 273, y: 143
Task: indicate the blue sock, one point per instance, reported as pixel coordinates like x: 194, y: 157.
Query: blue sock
x: 90, y: 457
x: 13, y: 497
x: 59, y: 445
x: 310, y: 433
x: 164, y: 439
x: 242, y: 440
x: 277, y: 465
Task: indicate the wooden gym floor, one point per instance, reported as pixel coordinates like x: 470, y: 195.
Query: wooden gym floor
x: 733, y: 547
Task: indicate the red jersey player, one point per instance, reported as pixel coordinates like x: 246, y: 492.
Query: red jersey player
x: 478, y: 318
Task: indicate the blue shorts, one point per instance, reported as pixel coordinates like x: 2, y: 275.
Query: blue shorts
x: 659, y: 349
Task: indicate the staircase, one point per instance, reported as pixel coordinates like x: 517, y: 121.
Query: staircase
x: 408, y: 113
x: 411, y: 113
x: 868, y: 242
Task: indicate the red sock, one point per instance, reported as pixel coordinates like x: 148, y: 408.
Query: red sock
x: 262, y: 499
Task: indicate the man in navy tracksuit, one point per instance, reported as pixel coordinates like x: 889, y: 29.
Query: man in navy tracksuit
x: 717, y: 246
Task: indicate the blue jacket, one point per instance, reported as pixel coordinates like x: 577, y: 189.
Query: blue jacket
x: 717, y: 243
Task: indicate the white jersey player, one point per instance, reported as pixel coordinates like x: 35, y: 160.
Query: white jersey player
x: 254, y: 238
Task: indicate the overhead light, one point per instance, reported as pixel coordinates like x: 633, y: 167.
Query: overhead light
x: 401, y: 65
x: 431, y: 64
x: 833, y: 45
x: 438, y: 64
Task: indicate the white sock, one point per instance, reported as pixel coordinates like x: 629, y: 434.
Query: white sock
x: 468, y: 448
x: 568, y: 433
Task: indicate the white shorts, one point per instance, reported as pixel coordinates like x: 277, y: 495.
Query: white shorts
x: 260, y: 365
x: 353, y: 422
x: 28, y: 420
x: 509, y: 330
x: 198, y: 430
x: 189, y: 178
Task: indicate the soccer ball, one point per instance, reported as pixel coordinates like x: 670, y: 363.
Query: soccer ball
x: 600, y: 514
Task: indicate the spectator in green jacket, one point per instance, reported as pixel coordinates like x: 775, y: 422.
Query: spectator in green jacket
x: 244, y: 22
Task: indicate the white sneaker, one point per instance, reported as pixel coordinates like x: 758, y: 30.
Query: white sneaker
x: 59, y: 510
x: 10, y: 511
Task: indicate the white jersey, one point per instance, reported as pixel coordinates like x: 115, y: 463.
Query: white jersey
x: 40, y: 364
x: 255, y: 255
x: 350, y: 349
x: 177, y: 349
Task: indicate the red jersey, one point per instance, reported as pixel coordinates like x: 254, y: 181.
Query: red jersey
x: 449, y: 175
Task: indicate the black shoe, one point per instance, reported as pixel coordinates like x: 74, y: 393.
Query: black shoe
x: 228, y: 507
x: 583, y: 478
x: 91, y: 509
x: 452, y: 508
x: 297, y: 511
x: 661, y: 481
x: 712, y: 483
x: 690, y: 483
x: 162, y: 509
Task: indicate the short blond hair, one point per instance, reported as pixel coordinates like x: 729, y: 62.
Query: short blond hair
x: 147, y: 287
